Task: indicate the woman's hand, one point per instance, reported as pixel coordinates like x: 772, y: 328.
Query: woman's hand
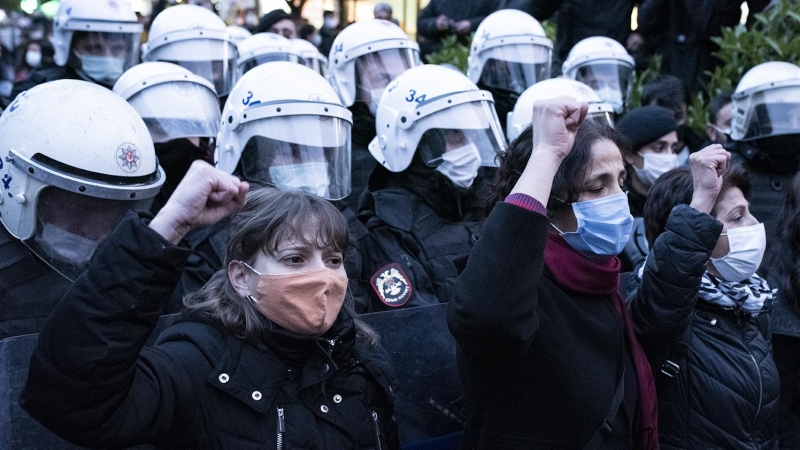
x: 205, y: 196
x: 708, y: 166
x: 555, y: 124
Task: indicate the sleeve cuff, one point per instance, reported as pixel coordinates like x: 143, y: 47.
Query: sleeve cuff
x: 527, y: 202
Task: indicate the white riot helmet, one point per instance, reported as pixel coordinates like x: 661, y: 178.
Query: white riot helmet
x: 312, y: 58
x: 284, y: 125
x: 767, y: 102
x: 173, y: 102
x: 434, y: 110
x: 366, y: 56
x: 510, y: 51
x: 238, y: 34
x: 73, y: 159
x: 98, y: 38
x: 197, y: 39
x: 605, y: 66
x: 262, y: 48
x: 522, y: 115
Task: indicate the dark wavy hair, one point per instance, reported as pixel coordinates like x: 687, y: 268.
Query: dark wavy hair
x: 268, y: 217
x: 676, y: 187
x: 569, y: 179
x: 785, y: 253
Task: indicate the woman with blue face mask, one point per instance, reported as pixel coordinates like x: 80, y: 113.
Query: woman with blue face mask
x: 702, y: 312
x: 548, y: 354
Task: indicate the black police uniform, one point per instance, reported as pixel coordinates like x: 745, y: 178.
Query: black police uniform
x: 29, y: 288
x: 420, y: 235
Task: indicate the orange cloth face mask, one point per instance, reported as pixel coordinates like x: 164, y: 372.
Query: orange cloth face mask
x: 306, y: 303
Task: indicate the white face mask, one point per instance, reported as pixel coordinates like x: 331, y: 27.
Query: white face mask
x: 611, y: 96
x: 655, y: 165
x: 316, y: 40
x: 747, y: 246
x: 374, y: 99
x: 33, y: 58
x: 461, y: 165
x: 251, y: 19
x: 102, y: 69
x: 331, y: 23
x: 311, y: 177
x: 65, y: 246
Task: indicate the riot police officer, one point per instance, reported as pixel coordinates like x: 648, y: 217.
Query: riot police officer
x: 435, y: 129
x: 522, y: 114
x: 181, y: 112
x: 365, y: 58
x: 94, y: 40
x: 510, y: 53
x: 765, y: 130
x: 196, y: 39
x: 74, y: 158
x: 604, y: 65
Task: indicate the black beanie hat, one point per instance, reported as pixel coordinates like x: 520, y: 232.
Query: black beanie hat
x: 646, y: 124
x: 270, y: 19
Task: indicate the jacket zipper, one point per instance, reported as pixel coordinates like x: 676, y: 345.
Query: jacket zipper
x: 758, y: 371
x: 281, y: 428
x: 377, y: 430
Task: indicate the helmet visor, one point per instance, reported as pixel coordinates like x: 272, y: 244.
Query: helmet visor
x: 70, y: 226
x: 775, y: 112
x: 374, y: 71
x: 121, y: 50
x: 461, y: 125
x: 317, y: 64
x: 516, y: 67
x: 602, y: 117
x: 245, y: 66
x: 178, y: 109
x: 212, y: 59
x: 305, y: 153
x: 610, y: 81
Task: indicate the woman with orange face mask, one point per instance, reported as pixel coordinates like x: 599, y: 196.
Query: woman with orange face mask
x: 268, y: 355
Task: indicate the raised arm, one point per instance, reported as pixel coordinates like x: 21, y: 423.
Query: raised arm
x: 89, y: 380
x: 494, y: 311
x: 663, y: 304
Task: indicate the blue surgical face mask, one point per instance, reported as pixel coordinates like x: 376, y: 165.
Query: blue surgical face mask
x: 604, y: 226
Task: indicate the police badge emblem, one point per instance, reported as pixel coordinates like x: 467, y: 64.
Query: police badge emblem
x: 392, y: 285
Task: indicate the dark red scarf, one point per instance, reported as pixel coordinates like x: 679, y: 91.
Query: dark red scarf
x: 580, y: 274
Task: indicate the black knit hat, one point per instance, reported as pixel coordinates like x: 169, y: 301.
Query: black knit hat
x: 270, y: 19
x: 646, y: 124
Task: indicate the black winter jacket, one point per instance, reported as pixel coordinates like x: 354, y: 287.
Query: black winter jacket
x: 539, y: 364
x: 92, y: 383
x: 29, y: 288
x: 457, y: 10
x: 725, y: 394
x: 38, y: 77
x: 416, y: 227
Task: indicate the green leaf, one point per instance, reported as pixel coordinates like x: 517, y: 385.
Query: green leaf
x: 771, y: 42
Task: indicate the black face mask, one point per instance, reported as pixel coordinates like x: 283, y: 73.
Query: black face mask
x: 175, y: 157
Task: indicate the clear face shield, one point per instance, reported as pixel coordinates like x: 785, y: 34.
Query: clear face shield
x: 610, y: 81
x: 212, y: 59
x: 316, y: 64
x: 469, y: 129
x: 515, y: 68
x: 69, y: 227
x: 306, y: 153
x: 775, y: 112
x: 104, y: 56
x: 178, y: 109
x: 256, y: 61
x: 374, y: 71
